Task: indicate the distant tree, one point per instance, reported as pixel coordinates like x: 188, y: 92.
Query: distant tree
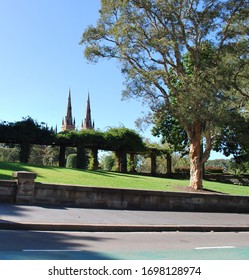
x: 13, y: 155
x: 51, y: 156
x: 179, y: 161
x: 144, y: 164
x: 238, y: 168
x: 9, y: 153
x: 233, y: 139
x: 151, y: 39
x: 107, y: 161
x: 223, y: 163
x: 37, y: 154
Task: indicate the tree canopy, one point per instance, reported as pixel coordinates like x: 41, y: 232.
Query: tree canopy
x: 171, y: 131
x: 189, y: 56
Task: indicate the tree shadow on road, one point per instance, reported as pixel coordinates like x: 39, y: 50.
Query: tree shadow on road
x: 31, y: 245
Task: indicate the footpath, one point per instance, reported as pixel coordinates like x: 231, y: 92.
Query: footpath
x: 52, y: 218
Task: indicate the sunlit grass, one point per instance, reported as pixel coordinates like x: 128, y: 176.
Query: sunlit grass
x: 59, y: 175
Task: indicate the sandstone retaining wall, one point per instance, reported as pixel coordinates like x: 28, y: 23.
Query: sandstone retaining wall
x: 25, y: 190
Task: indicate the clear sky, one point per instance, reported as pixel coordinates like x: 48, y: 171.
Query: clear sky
x: 40, y: 59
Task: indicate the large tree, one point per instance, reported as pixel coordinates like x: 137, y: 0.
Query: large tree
x: 186, y: 55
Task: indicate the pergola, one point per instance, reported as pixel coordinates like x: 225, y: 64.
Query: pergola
x: 121, y: 141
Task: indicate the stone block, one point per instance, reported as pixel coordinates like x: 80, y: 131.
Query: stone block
x: 25, y: 186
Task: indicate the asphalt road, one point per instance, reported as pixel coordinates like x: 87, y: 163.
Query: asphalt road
x: 123, y: 246
x: 18, y: 214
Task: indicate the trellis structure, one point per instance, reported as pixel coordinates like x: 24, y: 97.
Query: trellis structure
x: 122, y: 141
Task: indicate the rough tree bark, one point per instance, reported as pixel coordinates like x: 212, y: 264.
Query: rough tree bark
x: 196, y: 155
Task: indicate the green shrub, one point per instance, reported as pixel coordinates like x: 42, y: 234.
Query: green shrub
x: 214, y: 169
x: 71, y: 161
x: 182, y: 169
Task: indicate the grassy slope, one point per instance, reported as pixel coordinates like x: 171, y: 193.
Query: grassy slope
x: 110, y: 179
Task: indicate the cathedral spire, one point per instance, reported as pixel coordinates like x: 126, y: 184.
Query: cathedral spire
x: 88, y: 119
x: 68, y: 123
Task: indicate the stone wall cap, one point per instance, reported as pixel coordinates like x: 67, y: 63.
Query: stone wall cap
x: 24, y: 174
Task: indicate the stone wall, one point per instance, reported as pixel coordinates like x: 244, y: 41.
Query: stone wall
x: 8, y: 189
x: 25, y: 186
x: 25, y: 190
x: 80, y: 196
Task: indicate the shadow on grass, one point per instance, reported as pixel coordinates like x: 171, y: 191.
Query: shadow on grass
x: 11, y: 167
x: 112, y: 174
x: 5, y: 177
x: 104, y: 173
x: 14, y: 166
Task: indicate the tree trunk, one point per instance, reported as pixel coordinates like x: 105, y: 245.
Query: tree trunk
x: 195, y: 156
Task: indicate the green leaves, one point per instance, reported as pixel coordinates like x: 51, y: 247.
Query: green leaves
x: 189, y: 56
x: 27, y: 130
x: 171, y: 130
x: 30, y: 132
x: 152, y: 40
x: 113, y: 139
x: 124, y: 139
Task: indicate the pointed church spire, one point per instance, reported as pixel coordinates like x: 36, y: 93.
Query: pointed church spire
x: 69, y: 108
x: 88, y: 120
x: 68, y: 123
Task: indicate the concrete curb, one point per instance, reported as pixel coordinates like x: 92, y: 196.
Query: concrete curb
x: 119, y: 227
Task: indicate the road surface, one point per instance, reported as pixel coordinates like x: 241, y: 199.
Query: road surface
x: 33, y: 245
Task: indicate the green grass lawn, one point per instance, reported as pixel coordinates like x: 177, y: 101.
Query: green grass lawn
x: 112, y: 179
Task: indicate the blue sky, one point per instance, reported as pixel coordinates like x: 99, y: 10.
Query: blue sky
x: 40, y: 59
